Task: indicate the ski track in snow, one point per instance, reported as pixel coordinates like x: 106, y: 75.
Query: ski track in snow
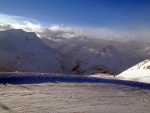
x: 66, y: 95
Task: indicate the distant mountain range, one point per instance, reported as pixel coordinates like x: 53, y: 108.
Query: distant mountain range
x: 25, y: 51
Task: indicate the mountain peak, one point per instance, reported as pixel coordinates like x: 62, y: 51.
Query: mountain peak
x: 109, y: 50
x: 19, y: 33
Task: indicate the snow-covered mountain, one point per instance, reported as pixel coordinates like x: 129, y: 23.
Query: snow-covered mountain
x: 24, y: 51
x: 82, y: 55
x: 139, y: 72
x: 90, y: 61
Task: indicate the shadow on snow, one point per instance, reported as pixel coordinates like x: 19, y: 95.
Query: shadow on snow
x: 33, y: 79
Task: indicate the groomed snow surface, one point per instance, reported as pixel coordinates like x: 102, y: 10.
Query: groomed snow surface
x: 53, y: 93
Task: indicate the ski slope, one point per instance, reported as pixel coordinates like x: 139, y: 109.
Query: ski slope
x: 53, y: 93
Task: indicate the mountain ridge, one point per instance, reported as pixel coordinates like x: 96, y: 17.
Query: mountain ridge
x: 68, y: 56
x: 24, y: 51
x: 139, y: 72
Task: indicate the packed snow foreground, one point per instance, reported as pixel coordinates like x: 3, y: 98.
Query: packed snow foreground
x: 57, y: 93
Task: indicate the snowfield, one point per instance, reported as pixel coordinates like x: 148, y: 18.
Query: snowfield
x: 53, y: 93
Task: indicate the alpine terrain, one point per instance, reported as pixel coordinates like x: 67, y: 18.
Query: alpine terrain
x: 25, y: 52
x: 139, y: 72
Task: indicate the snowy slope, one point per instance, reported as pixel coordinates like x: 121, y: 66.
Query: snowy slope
x: 139, y: 72
x: 24, y: 51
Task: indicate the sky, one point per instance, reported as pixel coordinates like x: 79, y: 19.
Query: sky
x: 95, y: 16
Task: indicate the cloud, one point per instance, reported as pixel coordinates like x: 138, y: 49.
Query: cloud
x: 18, y: 22
x: 31, y: 25
x: 5, y: 27
x: 55, y: 30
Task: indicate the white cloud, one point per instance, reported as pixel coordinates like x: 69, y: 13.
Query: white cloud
x: 55, y: 30
x: 31, y: 25
x: 59, y: 28
x: 18, y: 22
